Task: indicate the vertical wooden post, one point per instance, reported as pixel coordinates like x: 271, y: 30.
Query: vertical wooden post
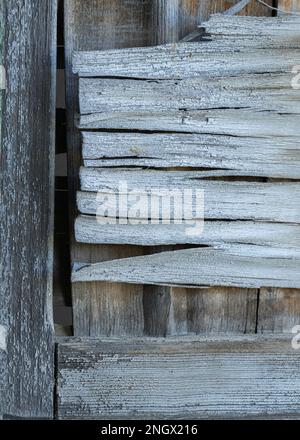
x: 3, y: 319
x: 26, y: 215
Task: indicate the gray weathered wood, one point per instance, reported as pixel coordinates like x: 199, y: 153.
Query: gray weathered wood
x: 266, y: 156
x: 178, y: 378
x: 237, y: 122
x: 222, y: 200
x: 188, y: 59
x: 265, y: 92
x: 89, y: 229
x: 27, y: 205
x: 3, y: 304
x: 235, y: 9
x: 225, y: 265
x: 234, y: 55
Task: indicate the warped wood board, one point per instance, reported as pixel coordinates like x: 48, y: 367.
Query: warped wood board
x: 27, y: 207
x: 261, y: 156
x: 90, y: 25
x: 177, y: 378
x: 224, y: 265
x: 277, y: 202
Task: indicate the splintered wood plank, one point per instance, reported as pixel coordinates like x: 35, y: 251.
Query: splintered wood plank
x: 262, y: 92
x: 143, y: 189
x: 267, y: 156
x: 91, y: 25
x: 27, y: 208
x: 193, y: 378
x: 230, y: 56
x: 237, y: 122
x: 226, y: 265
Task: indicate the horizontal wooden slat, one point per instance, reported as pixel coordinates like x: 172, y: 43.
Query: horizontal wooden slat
x: 265, y: 92
x: 237, y: 53
x: 284, y: 28
x: 229, y: 265
x: 89, y: 229
x: 222, y: 200
x: 198, y: 377
x: 268, y: 156
x: 233, y: 122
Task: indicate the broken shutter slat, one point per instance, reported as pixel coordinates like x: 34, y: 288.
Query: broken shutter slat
x: 89, y: 229
x: 230, y: 265
x: 233, y: 122
x: 264, y: 92
x: 256, y: 156
x: 222, y: 200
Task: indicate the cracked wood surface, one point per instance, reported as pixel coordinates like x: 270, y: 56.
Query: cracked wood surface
x: 257, y: 104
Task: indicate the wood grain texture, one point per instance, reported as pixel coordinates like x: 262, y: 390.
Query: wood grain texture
x: 289, y: 5
x: 225, y: 265
x: 265, y: 92
x: 178, y: 378
x: 279, y: 310
x: 263, y: 201
x: 103, y: 230
x: 91, y: 25
x: 192, y: 59
x: 3, y: 322
x: 199, y: 311
x: 27, y: 206
x: 266, y: 156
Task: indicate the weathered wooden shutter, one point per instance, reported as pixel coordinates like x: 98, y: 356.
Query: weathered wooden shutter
x: 212, y: 376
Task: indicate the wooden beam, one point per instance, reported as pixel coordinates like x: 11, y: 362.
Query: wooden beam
x: 27, y: 208
x: 187, y: 378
